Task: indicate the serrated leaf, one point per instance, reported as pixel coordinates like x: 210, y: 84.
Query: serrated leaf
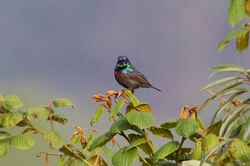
x: 101, y: 140
x: 162, y: 132
x: 209, y: 142
x: 12, y: 102
x: 245, y: 131
x: 124, y: 158
x: 120, y: 125
x: 186, y: 127
x: 141, y: 119
x: 116, y: 109
x: 133, y: 99
x: 63, y: 102
x: 11, y: 119
x: 236, y: 12
x: 166, y: 150
x: 98, y: 114
x: 4, y: 147
x: 143, y: 108
x: 170, y: 123
x: 22, y: 142
x: 197, y: 152
x: 56, y: 140
x: 37, y: 113
x: 229, y: 37
x: 4, y: 135
x: 135, y: 143
x: 239, y: 150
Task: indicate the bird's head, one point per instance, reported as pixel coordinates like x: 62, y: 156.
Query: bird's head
x: 123, y: 62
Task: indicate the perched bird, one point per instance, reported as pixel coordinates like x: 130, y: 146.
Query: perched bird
x: 127, y: 76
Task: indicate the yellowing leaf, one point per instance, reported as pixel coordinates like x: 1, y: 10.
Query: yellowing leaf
x: 12, y: 102
x: 22, y: 142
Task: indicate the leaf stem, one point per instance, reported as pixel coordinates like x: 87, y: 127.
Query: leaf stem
x: 179, y: 150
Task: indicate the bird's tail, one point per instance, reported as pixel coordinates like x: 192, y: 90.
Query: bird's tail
x: 155, y: 88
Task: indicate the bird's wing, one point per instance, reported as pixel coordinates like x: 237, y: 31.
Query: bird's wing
x: 140, y: 78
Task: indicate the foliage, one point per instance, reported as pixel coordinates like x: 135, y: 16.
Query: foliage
x: 238, y: 12
x: 225, y: 141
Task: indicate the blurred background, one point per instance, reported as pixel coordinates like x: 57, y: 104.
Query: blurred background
x: 61, y: 48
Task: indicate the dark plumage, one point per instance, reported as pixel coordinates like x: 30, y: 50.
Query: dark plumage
x: 127, y: 76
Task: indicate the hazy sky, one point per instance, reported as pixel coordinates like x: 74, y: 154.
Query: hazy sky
x: 62, y: 48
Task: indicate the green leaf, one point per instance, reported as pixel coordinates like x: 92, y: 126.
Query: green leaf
x: 147, y: 147
x: 217, y: 82
x: 229, y: 37
x: 55, y: 139
x: 76, y: 139
x: 61, y: 161
x: 124, y: 158
x: 62, y: 102
x: 135, y: 143
x: 98, y: 114
x: 239, y: 150
x: 108, y: 152
x: 101, y: 140
x: 141, y: 119
x: 215, y: 128
x: 59, y: 118
x: 197, y: 152
x: 209, y: 142
x: 245, y: 131
x: 12, y: 102
x: 4, y: 135
x: 11, y: 119
x: 119, y: 126
x: 143, y: 108
x: 4, y: 147
x: 229, y: 119
x: 186, y: 127
x: 22, y: 142
x: 162, y: 132
x: 116, y: 109
x: 228, y: 68
x: 166, y: 150
x: 37, y: 113
x: 236, y: 12
x: 133, y: 99
x: 170, y: 123
x: 214, y: 149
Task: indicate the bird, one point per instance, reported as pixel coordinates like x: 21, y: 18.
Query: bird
x: 128, y: 77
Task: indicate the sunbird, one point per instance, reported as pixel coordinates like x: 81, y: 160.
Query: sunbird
x: 128, y: 77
